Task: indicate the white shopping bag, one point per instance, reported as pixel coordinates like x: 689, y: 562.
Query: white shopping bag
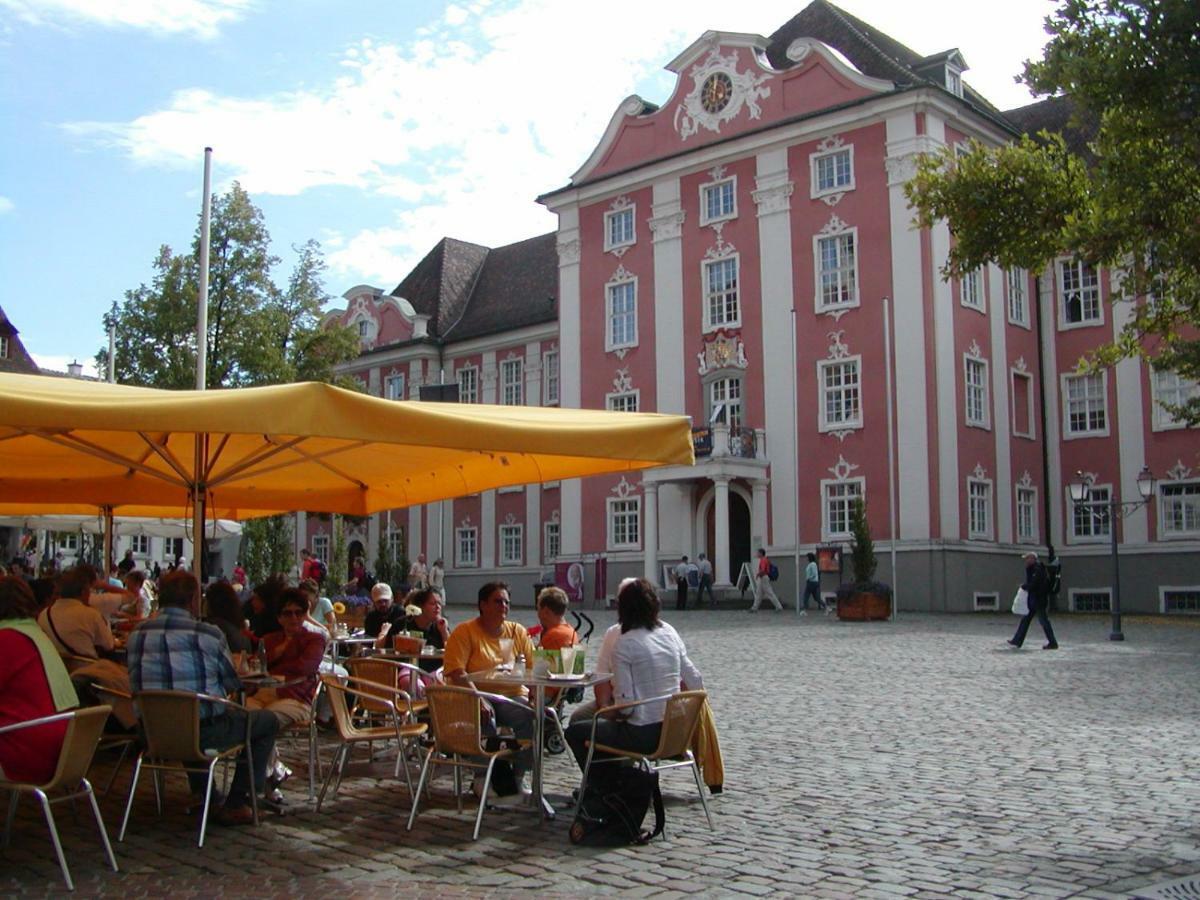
x: 1020, y: 605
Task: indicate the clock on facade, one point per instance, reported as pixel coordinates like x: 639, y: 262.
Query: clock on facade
x: 716, y: 92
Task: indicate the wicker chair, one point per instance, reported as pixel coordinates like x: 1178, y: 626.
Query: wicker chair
x: 69, y: 780
x: 171, y: 722
x: 407, y: 646
x: 400, y: 726
x: 388, y: 673
x: 680, y: 719
x: 455, y: 714
x: 112, y: 741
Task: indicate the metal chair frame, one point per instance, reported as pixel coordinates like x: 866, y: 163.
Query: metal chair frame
x: 79, y: 746
x: 194, y: 760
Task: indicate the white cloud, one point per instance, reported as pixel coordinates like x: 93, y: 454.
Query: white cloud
x: 56, y: 363
x: 487, y: 106
x: 201, y: 18
x: 6, y: 205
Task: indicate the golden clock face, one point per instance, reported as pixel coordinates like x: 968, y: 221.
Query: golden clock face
x: 716, y: 92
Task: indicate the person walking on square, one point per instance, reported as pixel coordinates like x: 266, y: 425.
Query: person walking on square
x: 681, y: 583
x: 762, y: 583
x: 812, y: 585
x: 1037, y: 586
x: 706, y: 580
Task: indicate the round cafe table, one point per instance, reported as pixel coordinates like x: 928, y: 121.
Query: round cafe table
x: 537, y: 685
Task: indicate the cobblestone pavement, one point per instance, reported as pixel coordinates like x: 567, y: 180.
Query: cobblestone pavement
x: 919, y: 758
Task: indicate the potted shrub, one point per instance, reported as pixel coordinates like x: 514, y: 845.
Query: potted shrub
x: 864, y: 598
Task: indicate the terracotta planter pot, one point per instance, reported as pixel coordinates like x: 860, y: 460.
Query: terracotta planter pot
x: 865, y: 607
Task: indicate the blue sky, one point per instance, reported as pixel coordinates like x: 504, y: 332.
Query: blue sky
x: 374, y: 126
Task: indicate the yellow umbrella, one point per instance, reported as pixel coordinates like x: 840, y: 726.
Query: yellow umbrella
x: 71, y: 446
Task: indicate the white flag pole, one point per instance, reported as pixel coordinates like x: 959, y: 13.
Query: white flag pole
x: 198, y: 487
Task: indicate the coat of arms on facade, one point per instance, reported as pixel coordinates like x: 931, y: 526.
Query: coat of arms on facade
x: 722, y: 350
x: 718, y: 94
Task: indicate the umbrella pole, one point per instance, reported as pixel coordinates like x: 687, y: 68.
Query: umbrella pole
x: 198, y: 512
x: 108, y: 539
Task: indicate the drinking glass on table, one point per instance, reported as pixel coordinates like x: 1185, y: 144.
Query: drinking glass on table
x: 506, y: 652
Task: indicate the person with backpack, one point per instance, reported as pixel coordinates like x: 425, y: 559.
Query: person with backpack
x: 1037, y: 586
x: 762, y: 582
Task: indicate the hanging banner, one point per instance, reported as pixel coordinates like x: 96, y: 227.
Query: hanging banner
x: 601, y: 578
x: 569, y: 577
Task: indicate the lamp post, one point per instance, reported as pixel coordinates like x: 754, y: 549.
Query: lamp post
x: 1080, y: 489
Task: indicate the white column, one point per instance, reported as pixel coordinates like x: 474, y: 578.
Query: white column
x: 947, y: 365
x: 666, y: 229
x: 533, y: 525
x: 758, y: 515
x: 1054, y: 530
x: 773, y: 199
x: 416, y: 542
x: 570, y: 493
x: 301, y: 535
x: 650, y: 530
x: 1128, y: 422
x: 911, y: 360
x: 1001, y: 426
x: 721, y: 531
x: 416, y: 378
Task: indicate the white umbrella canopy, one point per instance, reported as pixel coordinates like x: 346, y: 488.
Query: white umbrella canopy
x: 214, y: 529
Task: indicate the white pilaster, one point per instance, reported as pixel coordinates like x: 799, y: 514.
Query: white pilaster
x: 300, y: 538
x: 772, y: 198
x: 650, y: 531
x: 758, y: 515
x: 533, y: 374
x: 1055, y: 533
x: 533, y: 525
x: 721, y: 530
x: 488, y: 376
x: 416, y: 540
x: 487, y: 530
x: 1003, y: 499
x: 1129, y: 425
x: 946, y: 369
x: 911, y: 362
x: 666, y: 231
x: 570, y: 493
x: 416, y: 378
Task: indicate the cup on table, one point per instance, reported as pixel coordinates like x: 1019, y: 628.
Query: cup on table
x: 506, y: 651
x: 567, y: 655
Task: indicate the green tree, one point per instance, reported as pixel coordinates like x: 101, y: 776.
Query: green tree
x: 339, y: 562
x: 257, y: 332
x: 267, y: 547
x: 862, y: 554
x: 1131, y: 69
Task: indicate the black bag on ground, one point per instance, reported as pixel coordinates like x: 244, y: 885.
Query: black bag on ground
x: 614, y: 804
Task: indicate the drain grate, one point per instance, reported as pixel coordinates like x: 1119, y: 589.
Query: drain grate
x: 1187, y: 888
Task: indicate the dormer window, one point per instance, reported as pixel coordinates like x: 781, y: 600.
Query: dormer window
x: 954, y: 80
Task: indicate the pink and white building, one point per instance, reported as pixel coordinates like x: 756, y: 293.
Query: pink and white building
x: 744, y: 254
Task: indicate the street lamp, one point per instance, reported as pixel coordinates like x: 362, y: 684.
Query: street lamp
x: 1080, y: 489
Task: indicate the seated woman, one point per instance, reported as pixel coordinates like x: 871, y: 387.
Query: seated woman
x: 222, y: 609
x: 648, y: 660
x: 262, y: 607
x: 429, y: 622
x: 33, y: 683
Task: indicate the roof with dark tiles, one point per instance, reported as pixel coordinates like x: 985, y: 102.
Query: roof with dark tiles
x: 1057, y: 115
x: 439, y: 286
x: 517, y: 287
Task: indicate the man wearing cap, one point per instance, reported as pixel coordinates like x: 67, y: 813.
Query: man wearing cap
x: 383, y: 609
x: 1037, y: 586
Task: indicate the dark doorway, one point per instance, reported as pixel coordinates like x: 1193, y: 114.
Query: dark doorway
x: 739, y: 534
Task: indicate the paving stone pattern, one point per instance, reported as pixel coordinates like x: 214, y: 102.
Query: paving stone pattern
x: 918, y: 758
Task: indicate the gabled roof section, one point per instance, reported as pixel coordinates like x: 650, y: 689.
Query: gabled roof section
x: 517, y: 287
x: 869, y: 49
x: 17, y: 358
x: 440, y: 284
x: 1058, y: 115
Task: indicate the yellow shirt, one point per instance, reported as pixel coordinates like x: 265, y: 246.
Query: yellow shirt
x: 472, y: 649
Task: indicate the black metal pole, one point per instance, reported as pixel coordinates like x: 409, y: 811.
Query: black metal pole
x: 1115, y: 507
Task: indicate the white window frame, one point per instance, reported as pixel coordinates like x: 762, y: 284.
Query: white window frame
x: 734, y: 407
x: 735, y: 321
x: 1181, y: 391
x: 1069, y: 434
x: 509, y: 535
x: 389, y: 384
x: 609, y: 290
x: 980, y: 490
x: 852, y: 270
x: 970, y: 291
x: 1016, y: 288
x: 1165, y: 589
x: 982, y: 419
x: 954, y: 81
x: 814, y: 163
x: 512, y: 390
x: 1098, y: 513
x: 471, y: 374
x: 140, y: 544
x: 464, y: 538
x: 395, y: 542
x: 625, y: 507
x: 616, y: 402
x: 173, y: 547
x: 624, y: 213
x: 551, y: 541
x: 68, y: 541
x: 1031, y: 535
x: 320, y: 547
x: 824, y: 392
x: 1165, y: 506
x: 827, y: 533
x: 1079, y: 267
x: 1020, y: 429
x: 986, y: 601
x: 711, y: 186
x: 1072, y: 593
x: 551, y: 379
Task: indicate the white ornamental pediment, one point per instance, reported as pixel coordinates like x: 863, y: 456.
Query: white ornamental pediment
x: 722, y: 350
x: 719, y: 93
x: 623, y: 488
x: 843, y: 469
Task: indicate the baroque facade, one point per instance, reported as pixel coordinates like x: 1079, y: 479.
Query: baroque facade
x: 744, y: 254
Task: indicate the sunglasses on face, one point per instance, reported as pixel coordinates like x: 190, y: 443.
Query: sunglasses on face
x: 290, y: 613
